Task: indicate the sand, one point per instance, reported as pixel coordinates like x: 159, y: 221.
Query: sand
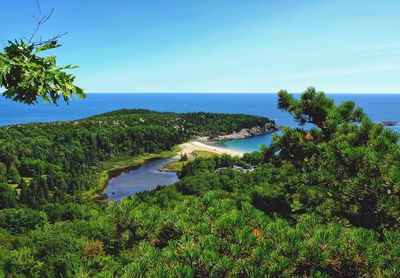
x: 191, y: 146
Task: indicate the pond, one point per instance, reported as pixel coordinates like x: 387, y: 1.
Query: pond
x: 145, y: 177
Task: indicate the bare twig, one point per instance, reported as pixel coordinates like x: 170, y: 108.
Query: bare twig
x: 40, y: 10
x: 53, y: 39
x: 39, y: 22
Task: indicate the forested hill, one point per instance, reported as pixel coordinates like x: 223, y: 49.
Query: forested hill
x: 49, y: 162
x: 195, y: 123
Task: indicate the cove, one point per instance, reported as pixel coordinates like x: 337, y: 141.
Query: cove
x: 250, y: 144
x: 146, y: 177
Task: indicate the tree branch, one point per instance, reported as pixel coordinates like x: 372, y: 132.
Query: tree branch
x: 40, y: 10
x: 53, y: 39
x: 40, y: 20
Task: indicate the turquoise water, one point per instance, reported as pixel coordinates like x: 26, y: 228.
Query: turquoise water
x: 247, y: 145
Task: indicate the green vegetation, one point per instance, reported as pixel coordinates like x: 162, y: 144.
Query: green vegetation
x: 26, y: 75
x: 323, y: 201
x: 199, y: 153
x: 176, y: 166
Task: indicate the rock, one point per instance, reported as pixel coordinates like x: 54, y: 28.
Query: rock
x: 388, y: 123
x: 246, y: 132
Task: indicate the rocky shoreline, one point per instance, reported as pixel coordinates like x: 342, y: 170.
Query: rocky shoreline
x: 243, y: 133
x: 388, y: 123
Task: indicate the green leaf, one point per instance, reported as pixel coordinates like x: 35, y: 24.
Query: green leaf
x: 47, y: 46
x: 28, y: 77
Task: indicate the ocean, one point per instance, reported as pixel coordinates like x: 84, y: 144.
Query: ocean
x: 379, y: 107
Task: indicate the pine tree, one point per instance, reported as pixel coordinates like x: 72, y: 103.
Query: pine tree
x: 7, y: 197
x: 13, y: 174
x: 3, y: 172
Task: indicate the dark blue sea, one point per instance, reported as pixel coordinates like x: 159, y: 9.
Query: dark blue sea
x: 379, y: 107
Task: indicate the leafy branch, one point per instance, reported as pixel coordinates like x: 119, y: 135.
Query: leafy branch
x: 27, y: 77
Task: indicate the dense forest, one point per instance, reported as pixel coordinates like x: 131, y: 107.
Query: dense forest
x: 323, y: 200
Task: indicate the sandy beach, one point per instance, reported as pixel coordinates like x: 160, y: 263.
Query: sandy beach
x: 191, y: 146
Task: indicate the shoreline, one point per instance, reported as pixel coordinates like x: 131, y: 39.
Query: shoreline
x: 201, y: 144
x: 121, y: 164
x: 195, y: 145
x: 194, y: 149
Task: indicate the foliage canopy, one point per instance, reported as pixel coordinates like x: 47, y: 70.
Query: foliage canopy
x: 27, y: 76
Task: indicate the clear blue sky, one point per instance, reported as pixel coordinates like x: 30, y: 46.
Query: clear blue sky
x: 221, y: 45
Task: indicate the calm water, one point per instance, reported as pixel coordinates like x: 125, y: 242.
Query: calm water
x: 247, y: 145
x: 146, y: 177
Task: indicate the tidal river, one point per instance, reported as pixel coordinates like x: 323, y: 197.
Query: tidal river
x: 146, y: 177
